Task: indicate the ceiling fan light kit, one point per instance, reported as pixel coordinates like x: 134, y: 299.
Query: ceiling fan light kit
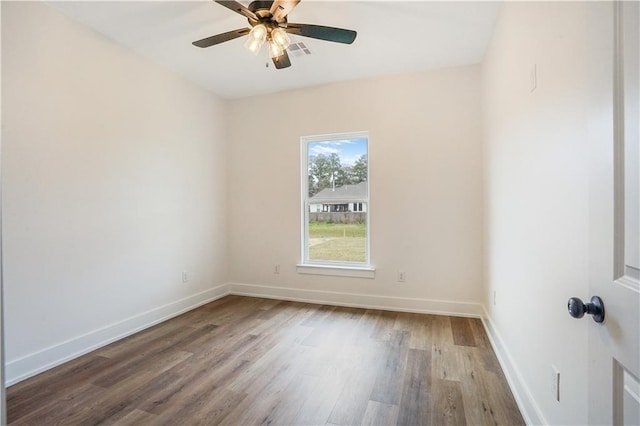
x: 268, y: 20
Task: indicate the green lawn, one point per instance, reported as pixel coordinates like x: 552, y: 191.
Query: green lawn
x: 327, y: 230
x: 337, y: 242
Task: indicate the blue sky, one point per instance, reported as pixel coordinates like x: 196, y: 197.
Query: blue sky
x: 349, y: 150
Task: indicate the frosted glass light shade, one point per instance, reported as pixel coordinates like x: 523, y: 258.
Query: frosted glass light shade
x: 275, y: 50
x: 281, y: 38
x: 256, y: 39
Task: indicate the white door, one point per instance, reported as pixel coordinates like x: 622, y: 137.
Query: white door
x: 614, y: 270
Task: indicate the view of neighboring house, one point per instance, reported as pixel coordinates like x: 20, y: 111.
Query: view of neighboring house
x: 333, y: 200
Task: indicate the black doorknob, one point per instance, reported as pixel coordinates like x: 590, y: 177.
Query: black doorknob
x: 577, y: 308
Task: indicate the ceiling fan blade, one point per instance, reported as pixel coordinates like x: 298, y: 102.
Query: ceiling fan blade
x: 221, y: 38
x: 281, y: 8
x: 282, y: 61
x: 238, y: 8
x: 337, y: 35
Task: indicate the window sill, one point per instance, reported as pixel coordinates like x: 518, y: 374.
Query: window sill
x: 337, y: 271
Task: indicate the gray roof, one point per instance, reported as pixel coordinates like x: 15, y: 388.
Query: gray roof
x: 358, y: 190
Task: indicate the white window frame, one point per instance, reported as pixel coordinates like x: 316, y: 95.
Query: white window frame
x: 325, y: 267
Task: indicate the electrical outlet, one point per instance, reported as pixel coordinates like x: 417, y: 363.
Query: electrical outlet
x: 185, y: 277
x: 276, y: 269
x: 555, y: 383
x: 402, y: 277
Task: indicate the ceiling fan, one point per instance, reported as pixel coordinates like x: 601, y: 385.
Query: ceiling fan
x: 268, y: 20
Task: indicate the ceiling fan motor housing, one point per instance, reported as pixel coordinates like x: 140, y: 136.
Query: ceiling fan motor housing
x: 262, y: 9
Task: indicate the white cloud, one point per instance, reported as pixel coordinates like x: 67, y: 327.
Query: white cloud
x: 343, y: 142
x: 349, y: 161
x: 321, y: 149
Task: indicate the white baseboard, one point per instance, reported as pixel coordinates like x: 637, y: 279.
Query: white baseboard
x: 368, y: 301
x: 37, y: 362
x: 526, y: 403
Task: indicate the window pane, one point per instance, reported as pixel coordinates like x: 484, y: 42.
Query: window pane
x: 337, y: 169
x: 337, y: 232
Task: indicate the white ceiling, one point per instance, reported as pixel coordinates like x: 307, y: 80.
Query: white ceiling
x: 393, y: 37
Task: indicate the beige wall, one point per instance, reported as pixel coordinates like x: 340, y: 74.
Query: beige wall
x: 425, y: 172
x: 3, y: 411
x: 119, y: 175
x: 114, y: 182
x: 536, y: 199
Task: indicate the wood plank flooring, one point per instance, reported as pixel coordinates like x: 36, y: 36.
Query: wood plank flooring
x: 250, y: 361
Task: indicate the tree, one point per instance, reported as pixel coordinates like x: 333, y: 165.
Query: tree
x: 359, y: 170
x: 324, y: 172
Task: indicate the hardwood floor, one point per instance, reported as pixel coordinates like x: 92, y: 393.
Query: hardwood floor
x: 246, y: 361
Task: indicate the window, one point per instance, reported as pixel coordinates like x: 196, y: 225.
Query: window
x: 335, y: 200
